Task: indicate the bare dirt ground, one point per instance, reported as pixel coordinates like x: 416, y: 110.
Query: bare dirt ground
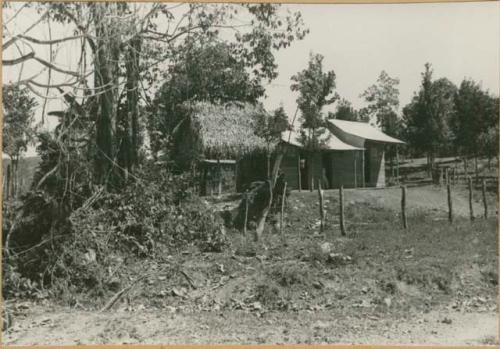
x: 435, y: 283
x: 61, y: 326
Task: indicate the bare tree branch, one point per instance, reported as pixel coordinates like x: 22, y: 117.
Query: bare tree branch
x: 40, y: 42
x: 52, y: 66
x: 19, y: 59
x: 16, y: 14
x: 80, y: 27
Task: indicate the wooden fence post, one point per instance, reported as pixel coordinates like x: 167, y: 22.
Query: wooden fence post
x: 283, y: 196
x: 246, y: 214
x: 363, y: 167
x: 261, y: 222
x: 447, y: 175
x: 440, y: 181
x: 397, y: 164
x: 485, y: 203
x: 471, y: 210
x: 298, y: 172
x: 403, y: 207
x: 355, y: 171
x: 450, y: 204
x: 321, y: 209
x: 341, y: 210
x: 219, y: 178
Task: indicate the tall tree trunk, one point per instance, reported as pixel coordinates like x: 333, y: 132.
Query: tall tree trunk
x: 274, y: 175
x: 127, y: 128
x: 133, y: 96
x: 268, y: 164
x: 476, y: 168
x: 429, y: 167
x: 106, y: 66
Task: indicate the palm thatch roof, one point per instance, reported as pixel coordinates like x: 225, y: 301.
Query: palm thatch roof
x: 226, y: 130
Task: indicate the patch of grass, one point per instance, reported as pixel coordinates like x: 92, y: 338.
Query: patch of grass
x: 290, y: 274
x: 489, y: 274
x: 427, y: 276
x: 244, y: 246
x: 268, y: 293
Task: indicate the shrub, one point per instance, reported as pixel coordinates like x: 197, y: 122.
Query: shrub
x: 290, y: 275
x: 80, y: 252
x: 268, y: 293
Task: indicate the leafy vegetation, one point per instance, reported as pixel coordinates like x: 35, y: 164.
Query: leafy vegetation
x: 117, y: 184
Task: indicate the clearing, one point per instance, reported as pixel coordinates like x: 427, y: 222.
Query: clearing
x: 435, y: 283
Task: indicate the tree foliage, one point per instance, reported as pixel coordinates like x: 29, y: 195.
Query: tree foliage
x: 316, y: 90
x: 345, y: 111
x: 427, y: 116
x: 18, y: 124
x: 383, y: 101
x: 270, y: 127
x: 475, y: 120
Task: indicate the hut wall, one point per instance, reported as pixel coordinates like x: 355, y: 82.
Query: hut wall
x: 290, y: 166
x: 346, y: 169
x: 315, y: 169
x: 377, y: 164
x: 210, y: 178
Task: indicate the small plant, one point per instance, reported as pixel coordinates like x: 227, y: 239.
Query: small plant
x: 290, y: 275
x: 268, y: 293
x: 426, y: 276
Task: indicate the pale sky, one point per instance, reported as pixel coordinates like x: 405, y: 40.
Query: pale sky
x: 359, y: 41
x: 460, y: 40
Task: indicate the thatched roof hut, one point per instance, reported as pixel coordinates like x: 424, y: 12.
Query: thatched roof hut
x: 225, y: 131
x: 217, y: 138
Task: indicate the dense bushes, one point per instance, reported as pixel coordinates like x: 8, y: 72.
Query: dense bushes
x: 85, y: 251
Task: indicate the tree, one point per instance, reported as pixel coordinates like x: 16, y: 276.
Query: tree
x: 200, y: 72
x: 345, y: 111
x: 18, y: 129
x: 427, y: 116
x: 383, y: 101
x: 315, y: 89
x: 270, y: 127
x: 127, y: 45
x: 475, y: 121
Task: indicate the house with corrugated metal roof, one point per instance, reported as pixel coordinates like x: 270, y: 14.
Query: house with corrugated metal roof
x: 349, y: 154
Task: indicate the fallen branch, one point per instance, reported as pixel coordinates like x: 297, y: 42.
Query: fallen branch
x: 189, y: 280
x: 120, y: 293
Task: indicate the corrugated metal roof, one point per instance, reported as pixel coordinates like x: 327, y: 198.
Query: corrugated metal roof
x: 331, y: 142
x: 222, y: 162
x: 364, y: 130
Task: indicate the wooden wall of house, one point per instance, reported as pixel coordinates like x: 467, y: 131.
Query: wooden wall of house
x: 346, y: 169
x: 376, y: 154
x: 289, y: 166
x: 209, y: 181
x: 316, y: 170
